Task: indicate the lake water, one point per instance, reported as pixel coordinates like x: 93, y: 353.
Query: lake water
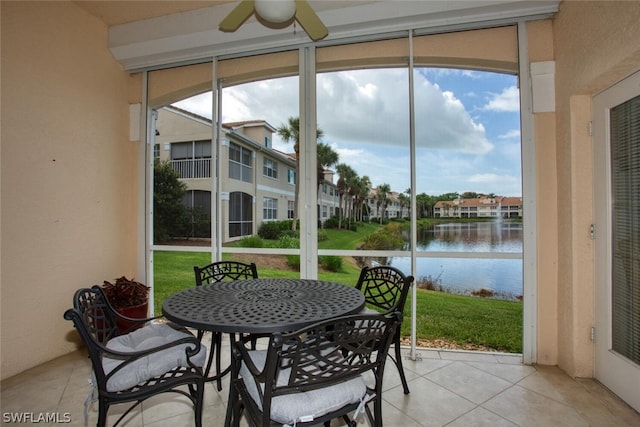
x: 463, y: 275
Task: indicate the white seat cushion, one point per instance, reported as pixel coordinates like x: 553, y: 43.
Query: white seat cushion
x: 147, y: 367
x: 290, y: 408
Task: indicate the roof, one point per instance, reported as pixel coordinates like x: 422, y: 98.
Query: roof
x: 481, y: 201
x: 249, y: 123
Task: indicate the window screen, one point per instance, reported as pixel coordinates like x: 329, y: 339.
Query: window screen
x: 625, y: 180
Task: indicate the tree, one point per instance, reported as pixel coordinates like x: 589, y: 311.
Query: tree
x: 382, y: 198
x: 347, y: 175
x: 291, y: 132
x: 363, y: 187
x: 404, y: 200
x: 326, y: 158
x: 169, y: 213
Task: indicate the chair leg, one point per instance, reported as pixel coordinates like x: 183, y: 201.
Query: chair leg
x: 199, y: 402
x: 398, y: 362
x: 103, y: 408
x: 212, y: 350
x: 234, y: 407
x: 218, y: 346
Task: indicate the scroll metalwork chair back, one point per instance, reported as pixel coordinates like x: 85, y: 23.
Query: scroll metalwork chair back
x: 130, y: 368
x: 216, y: 272
x: 386, y: 289
x: 311, y: 376
x: 224, y: 271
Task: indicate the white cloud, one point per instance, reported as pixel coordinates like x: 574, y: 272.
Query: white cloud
x: 512, y: 134
x: 506, y: 101
x: 199, y: 104
x: 364, y: 115
x: 372, y: 106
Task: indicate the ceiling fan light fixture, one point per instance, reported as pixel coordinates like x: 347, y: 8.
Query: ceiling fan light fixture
x: 276, y: 11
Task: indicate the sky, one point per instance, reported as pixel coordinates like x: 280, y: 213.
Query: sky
x: 467, y: 128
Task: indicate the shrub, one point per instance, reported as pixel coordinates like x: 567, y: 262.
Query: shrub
x: 269, y: 230
x: 483, y: 293
x: 251, y: 242
x: 287, y: 242
x: 430, y: 283
x: 289, y: 233
x: 331, y: 222
x: 331, y: 262
x: 382, y: 239
x: 322, y: 235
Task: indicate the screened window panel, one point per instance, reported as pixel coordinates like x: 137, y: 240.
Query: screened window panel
x: 234, y: 153
x: 181, y: 150
x: 240, y: 214
x: 203, y: 149
x: 625, y: 175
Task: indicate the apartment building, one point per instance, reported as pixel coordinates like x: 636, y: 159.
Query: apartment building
x: 392, y: 208
x: 257, y: 182
x: 481, y: 207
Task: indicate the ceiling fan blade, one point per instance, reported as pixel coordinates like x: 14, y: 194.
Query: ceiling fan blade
x: 237, y: 16
x: 310, y: 21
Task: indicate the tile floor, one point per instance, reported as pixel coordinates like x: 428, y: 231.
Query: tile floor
x: 448, y: 388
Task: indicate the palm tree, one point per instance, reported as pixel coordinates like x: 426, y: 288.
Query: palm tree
x: 291, y: 132
x: 382, y: 197
x: 363, y: 186
x: 404, y: 201
x: 346, y: 173
x: 326, y: 158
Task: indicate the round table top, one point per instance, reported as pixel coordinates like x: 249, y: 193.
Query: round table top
x: 261, y: 305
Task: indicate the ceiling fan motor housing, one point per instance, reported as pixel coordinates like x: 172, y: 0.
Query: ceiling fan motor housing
x: 276, y: 11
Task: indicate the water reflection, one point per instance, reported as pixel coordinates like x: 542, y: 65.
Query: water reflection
x: 496, y: 236
x: 465, y: 275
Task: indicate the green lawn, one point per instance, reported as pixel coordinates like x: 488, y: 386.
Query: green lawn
x: 496, y: 324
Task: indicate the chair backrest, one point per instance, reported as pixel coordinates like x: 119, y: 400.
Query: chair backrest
x: 223, y: 271
x: 329, y: 353
x: 384, y: 287
x: 94, y: 319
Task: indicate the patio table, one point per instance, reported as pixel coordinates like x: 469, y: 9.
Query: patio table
x: 261, y: 306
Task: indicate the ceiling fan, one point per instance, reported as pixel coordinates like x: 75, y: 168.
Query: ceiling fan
x: 276, y: 14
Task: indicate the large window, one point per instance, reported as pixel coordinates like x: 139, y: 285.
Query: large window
x: 400, y: 143
x: 240, y: 214
x: 198, y: 203
x: 240, y: 163
x: 270, y: 168
x: 192, y: 159
x: 270, y: 209
x: 290, y: 207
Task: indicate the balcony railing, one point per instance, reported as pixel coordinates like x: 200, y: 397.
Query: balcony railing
x: 192, y: 168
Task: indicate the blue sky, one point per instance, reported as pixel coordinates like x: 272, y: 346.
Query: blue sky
x: 467, y: 124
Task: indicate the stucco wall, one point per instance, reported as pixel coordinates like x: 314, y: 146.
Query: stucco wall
x: 68, y: 174
x: 596, y: 44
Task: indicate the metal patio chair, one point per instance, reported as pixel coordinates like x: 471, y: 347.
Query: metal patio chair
x: 385, y: 289
x: 156, y: 357
x: 217, y: 272
x: 318, y: 373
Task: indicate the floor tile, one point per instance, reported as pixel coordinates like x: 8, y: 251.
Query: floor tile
x: 527, y: 408
x: 429, y: 403
x: 448, y: 388
x: 480, y: 417
x: 469, y: 382
x: 508, y: 372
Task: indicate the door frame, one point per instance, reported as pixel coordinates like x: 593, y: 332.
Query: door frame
x: 610, y: 368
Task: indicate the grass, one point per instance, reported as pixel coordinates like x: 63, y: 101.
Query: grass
x: 495, y: 324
